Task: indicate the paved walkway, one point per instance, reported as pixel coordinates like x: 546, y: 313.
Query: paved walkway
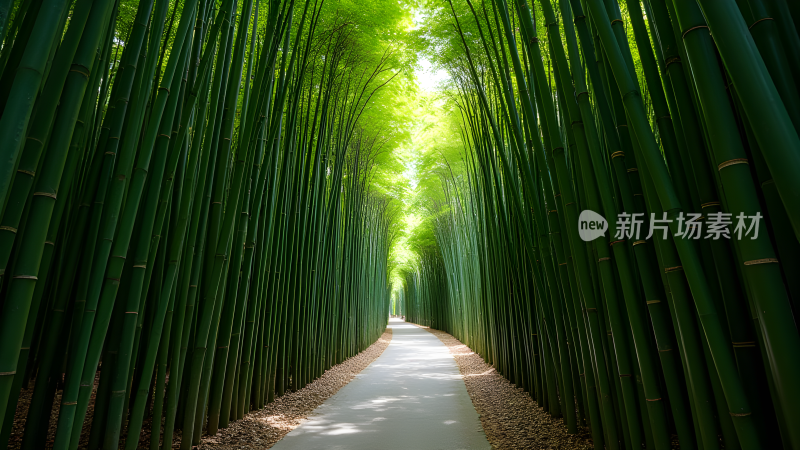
x: 411, y: 398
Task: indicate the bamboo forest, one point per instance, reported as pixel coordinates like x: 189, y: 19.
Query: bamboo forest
x: 581, y: 218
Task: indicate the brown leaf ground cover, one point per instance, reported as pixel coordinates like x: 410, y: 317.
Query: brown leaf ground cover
x: 510, y: 417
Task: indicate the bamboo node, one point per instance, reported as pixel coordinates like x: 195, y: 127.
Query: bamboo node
x: 665, y: 350
x: 639, y: 242
x: 140, y: 266
x: 757, y: 22
x: 45, y: 194
x: 761, y: 261
x: 744, y: 345
x: 740, y: 414
x: 559, y: 194
x: 616, y: 242
x: 85, y: 74
x: 732, y: 162
x: 605, y: 258
x: 132, y: 312
x: 26, y: 172
x: 34, y: 139
x: 633, y: 169
x: 709, y: 204
x: 591, y: 309
x: 653, y: 399
x: 581, y: 93
x: 653, y: 302
x: 634, y: 93
x: 624, y: 375
x: 683, y: 36
x: 5, y: 374
x: 162, y: 134
x: 670, y: 61
x: 619, y: 153
x: 673, y: 269
x: 570, y: 203
x: 616, y: 20
x: 623, y: 125
x: 7, y: 228
x: 563, y: 264
x: 49, y: 243
x: 26, y: 277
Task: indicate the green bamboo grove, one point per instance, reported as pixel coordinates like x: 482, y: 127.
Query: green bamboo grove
x: 189, y: 226
x: 683, y: 113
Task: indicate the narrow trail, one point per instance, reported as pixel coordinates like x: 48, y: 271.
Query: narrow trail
x: 411, y: 397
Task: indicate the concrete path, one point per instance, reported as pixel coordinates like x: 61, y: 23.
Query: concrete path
x: 411, y: 398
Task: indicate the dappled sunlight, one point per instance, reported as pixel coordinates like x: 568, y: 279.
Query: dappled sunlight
x: 328, y: 419
x: 378, y: 404
x: 281, y: 421
x: 488, y: 372
x: 327, y: 427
